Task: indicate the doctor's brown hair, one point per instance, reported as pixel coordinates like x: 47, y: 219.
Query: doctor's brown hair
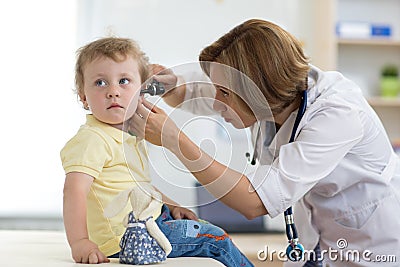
x: 267, y: 54
x: 117, y: 49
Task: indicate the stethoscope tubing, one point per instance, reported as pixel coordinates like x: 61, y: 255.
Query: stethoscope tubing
x: 290, y: 226
x: 291, y: 231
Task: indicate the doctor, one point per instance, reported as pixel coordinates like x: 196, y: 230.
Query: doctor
x: 340, y: 173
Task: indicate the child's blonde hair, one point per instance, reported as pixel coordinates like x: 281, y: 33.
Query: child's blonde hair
x: 111, y: 47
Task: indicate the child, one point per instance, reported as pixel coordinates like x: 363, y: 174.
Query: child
x: 102, y: 159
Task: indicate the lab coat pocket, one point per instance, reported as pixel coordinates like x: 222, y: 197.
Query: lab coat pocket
x: 370, y: 230
x: 357, y: 219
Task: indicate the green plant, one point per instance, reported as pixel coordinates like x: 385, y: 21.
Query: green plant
x: 390, y: 70
x: 389, y: 82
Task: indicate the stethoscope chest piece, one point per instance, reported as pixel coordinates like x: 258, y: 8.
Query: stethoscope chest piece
x: 295, y: 250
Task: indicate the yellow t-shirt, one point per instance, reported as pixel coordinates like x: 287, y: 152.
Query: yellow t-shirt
x: 116, y: 161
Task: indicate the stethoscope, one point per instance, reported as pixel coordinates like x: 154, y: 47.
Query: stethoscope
x: 295, y: 250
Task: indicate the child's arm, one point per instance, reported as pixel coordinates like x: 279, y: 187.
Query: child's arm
x: 176, y: 210
x: 76, y: 188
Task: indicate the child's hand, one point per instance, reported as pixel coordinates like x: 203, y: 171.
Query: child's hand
x: 183, y: 213
x: 85, y: 251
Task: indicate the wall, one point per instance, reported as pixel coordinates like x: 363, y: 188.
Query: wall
x: 38, y: 109
x: 173, y: 32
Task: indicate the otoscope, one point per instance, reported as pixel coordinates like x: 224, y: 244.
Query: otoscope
x: 153, y: 88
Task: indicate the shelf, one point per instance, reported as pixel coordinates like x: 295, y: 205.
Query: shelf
x: 362, y: 59
x: 372, y: 42
x: 378, y: 101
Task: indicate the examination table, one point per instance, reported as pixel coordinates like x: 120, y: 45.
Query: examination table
x: 50, y: 248
x: 43, y: 248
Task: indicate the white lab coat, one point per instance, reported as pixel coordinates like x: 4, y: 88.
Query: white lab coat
x: 341, y: 173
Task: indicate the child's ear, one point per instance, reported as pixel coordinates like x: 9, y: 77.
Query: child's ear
x: 82, y: 98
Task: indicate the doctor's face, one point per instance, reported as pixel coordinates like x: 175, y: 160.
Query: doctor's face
x: 231, y: 107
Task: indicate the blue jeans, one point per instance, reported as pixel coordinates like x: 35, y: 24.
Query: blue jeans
x: 199, y: 239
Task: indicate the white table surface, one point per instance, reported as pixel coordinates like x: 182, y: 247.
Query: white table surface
x: 50, y: 248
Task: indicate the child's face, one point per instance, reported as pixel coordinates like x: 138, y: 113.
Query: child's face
x: 111, y: 89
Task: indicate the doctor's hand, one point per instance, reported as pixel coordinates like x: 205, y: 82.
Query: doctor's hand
x: 164, y: 75
x: 154, y: 125
x: 174, y: 94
